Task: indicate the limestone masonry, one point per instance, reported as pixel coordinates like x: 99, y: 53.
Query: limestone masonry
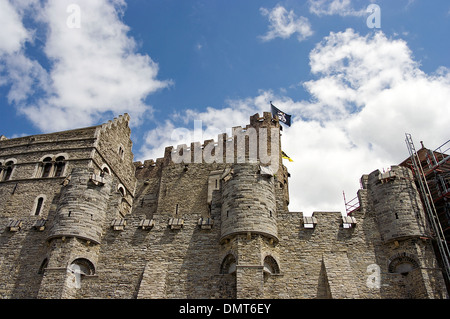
x: 80, y: 219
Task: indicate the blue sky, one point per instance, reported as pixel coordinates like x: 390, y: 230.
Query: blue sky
x: 353, y: 90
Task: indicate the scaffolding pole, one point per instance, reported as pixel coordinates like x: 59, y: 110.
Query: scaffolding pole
x: 429, y: 206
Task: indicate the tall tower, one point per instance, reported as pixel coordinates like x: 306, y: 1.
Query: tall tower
x: 397, y: 202
x: 250, y: 193
x: 406, y: 256
x: 96, y: 195
x: 75, y: 235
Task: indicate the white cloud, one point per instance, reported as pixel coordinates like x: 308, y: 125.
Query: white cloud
x: 13, y: 34
x: 94, y: 69
x: 367, y: 93
x: 212, y: 122
x: 334, y: 7
x: 284, y: 24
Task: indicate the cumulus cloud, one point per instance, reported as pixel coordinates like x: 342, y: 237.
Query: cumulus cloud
x: 197, y: 126
x: 283, y: 24
x: 366, y: 93
x: 13, y: 34
x: 334, y: 7
x: 94, y: 66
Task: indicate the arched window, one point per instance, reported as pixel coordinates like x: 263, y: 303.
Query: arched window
x: 402, y: 263
x: 8, y: 170
x: 43, y: 266
x: 51, y: 167
x: 228, y: 265
x: 271, y: 266
x: 83, y: 266
x: 59, y: 166
x: 106, y: 171
x: 47, y: 167
x: 79, y: 268
x: 39, y: 204
x: 121, y: 151
x: 121, y: 190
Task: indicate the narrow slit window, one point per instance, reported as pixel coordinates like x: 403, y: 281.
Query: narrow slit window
x: 40, y: 201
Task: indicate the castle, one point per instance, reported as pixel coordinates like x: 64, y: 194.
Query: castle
x: 80, y: 219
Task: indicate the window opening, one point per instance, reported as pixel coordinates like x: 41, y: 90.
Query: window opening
x: 43, y: 266
x: 81, y: 267
x: 121, y: 152
x: 228, y: 265
x: 39, y: 206
x: 47, y: 167
x: 60, y: 164
x: 271, y: 265
x: 8, y: 170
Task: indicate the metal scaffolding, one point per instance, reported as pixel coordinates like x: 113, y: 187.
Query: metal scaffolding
x: 427, y: 197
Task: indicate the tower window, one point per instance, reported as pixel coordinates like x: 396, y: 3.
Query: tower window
x: 51, y: 167
x: 402, y: 263
x: 59, y: 166
x: 47, y: 167
x: 40, y: 201
x: 228, y: 265
x: 121, y: 151
x: 106, y: 171
x: 44, y: 265
x: 121, y: 191
x: 81, y: 267
x: 271, y: 266
x: 8, y: 170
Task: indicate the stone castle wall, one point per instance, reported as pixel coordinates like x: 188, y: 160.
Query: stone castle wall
x: 159, y: 229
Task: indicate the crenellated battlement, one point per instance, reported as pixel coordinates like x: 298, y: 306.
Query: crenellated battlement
x: 121, y: 119
x: 257, y: 142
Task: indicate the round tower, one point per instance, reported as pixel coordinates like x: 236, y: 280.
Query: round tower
x: 248, y: 202
x: 397, y: 204
x: 75, y: 233
x: 82, y: 206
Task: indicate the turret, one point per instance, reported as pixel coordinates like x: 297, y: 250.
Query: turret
x: 82, y: 206
x: 248, y: 202
x: 397, y: 205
